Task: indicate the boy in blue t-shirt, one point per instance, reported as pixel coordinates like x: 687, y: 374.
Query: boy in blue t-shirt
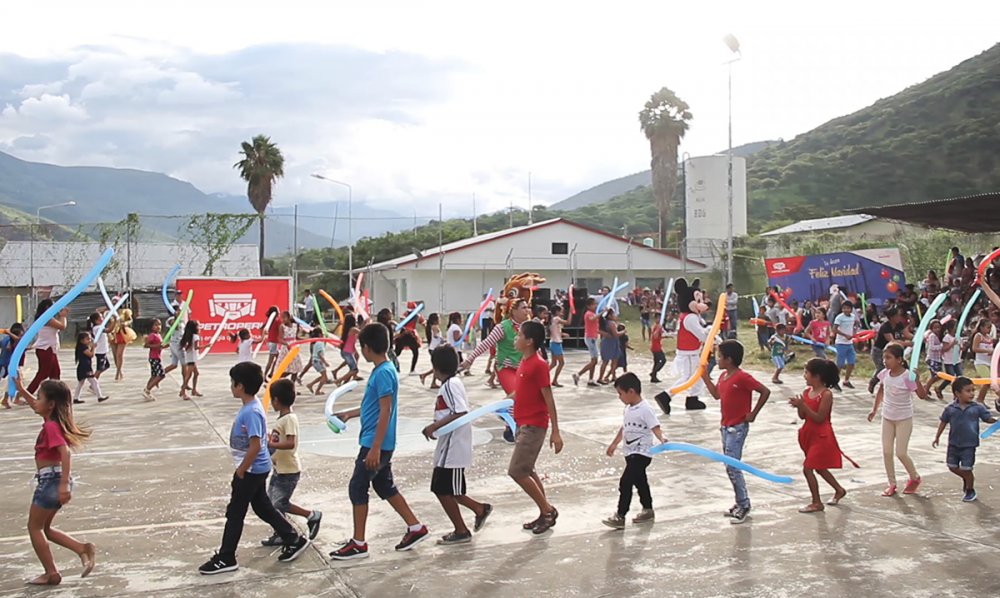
x: 964, y: 414
x: 373, y: 467
x: 248, y: 443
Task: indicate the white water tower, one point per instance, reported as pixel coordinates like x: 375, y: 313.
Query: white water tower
x: 706, y: 205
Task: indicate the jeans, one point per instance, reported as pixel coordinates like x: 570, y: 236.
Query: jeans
x: 634, y: 475
x: 733, y: 438
x: 659, y: 360
x: 732, y: 320
x: 879, y: 365
x: 251, y: 491
x: 953, y: 369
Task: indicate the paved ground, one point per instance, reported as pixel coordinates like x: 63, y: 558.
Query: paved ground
x: 152, y: 487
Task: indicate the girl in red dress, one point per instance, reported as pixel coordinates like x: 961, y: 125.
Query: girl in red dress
x: 816, y: 434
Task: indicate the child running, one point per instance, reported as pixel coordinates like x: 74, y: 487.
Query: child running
x: 349, y: 351
x: 816, y: 436
x: 895, y: 395
x: 85, y: 368
x: 656, y: 348
x: 101, y: 363
x: 248, y: 444
x: 373, y: 467
x: 639, y: 427
x: 818, y: 331
x: 556, y: 323
x: 778, y: 344
x: 453, y: 453
x: 154, y: 342
x: 434, y: 340
x: 735, y: 392
x: 610, y: 347
x: 189, y: 350
x: 174, y: 346
x: 59, y: 435
x: 284, y: 444
x: 963, y: 414
x: 950, y: 357
x: 591, y: 327
x: 318, y: 351
x: 982, y: 347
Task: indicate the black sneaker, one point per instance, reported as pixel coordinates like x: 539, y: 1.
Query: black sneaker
x: 837, y: 388
x: 411, y: 539
x: 313, y: 522
x: 481, y: 519
x: 350, y: 551
x: 593, y: 384
x: 102, y: 399
x: 273, y: 540
x: 739, y: 515
x: 847, y: 384
x: 654, y: 380
x: 78, y: 401
x: 217, y: 564
x: 292, y: 551
x: 455, y: 538
x: 731, y: 510
x: 508, y: 436
x: 871, y: 387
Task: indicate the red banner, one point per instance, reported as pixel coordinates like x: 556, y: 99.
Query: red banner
x: 245, y: 301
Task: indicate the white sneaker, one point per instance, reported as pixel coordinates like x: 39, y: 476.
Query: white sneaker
x: 148, y: 396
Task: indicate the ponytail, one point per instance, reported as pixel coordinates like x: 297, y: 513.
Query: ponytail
x: 828, y: 372
x: 896, y: 350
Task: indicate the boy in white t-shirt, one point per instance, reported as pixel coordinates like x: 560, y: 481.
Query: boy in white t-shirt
x: 843, y: 331
x: 638, y: 429
x: 453, y: 453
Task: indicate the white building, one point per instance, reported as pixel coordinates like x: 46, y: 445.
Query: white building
x: 706, y: 201
x: 855, y: 227
x: 456, y: 277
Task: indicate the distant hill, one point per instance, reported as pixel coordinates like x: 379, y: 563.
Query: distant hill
x: 934, y: 140
x: 605, y: 191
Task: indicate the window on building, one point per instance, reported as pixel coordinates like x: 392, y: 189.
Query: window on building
x: 560, y: 249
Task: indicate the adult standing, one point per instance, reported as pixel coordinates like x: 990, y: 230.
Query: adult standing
x: 487, y: 318
x: 645, y: 308
x: 892, y: 330
x: 956, y: 265
x: 732, y: 302
x: 836, y: 300
x: 310, y: 308
x: 120, y: 336
x: 47, y: 345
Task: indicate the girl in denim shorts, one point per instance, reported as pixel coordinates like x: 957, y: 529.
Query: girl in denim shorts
x: 54, y: 485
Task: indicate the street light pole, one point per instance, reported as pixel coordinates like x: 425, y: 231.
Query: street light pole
x: 350, y: 228
x: 31, y: 251
x: 734, y: 46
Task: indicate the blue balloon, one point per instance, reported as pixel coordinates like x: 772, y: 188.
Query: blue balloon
x: 51, y: 312
x: 508, y: 419
x: 409, y: 316
x: 474, y: 414
x: 666, y: 300
x: 918, y: 336
x: 301, y: 322
x: 114, y: 311
x: 610, y: 297
x: 704, y: 452
x: 803, y: 339
x: 961, y: 321
x: 756, y: 307
x: 163, y: 290
x: 990, y: 430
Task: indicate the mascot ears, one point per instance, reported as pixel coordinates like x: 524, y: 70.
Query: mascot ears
x: 689, y: 297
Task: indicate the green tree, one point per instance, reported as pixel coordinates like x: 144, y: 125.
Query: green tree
x: 664, y: 122
x: 261, y: 167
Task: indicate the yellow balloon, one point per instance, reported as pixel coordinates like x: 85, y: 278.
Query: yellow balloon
x: 278, y: 371
x: 20, y: 313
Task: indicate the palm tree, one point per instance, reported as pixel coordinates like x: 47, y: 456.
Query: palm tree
x: 664, y: 121
x: 261, y: 167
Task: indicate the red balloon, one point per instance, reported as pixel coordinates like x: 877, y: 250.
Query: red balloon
x: 786, y: 293
x: 885, y: 273
x: 892, y: 287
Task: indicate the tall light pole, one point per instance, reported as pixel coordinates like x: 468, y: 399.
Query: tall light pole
x: 350, y: 228
x: 734, y: 46
x: 31, y: 259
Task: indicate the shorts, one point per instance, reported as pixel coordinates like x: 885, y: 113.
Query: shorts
x: 272, y: 348
x: 280, y: 490
x: 983, y: 370
x: 379, y: 479
x: 644, y: 320
x: 350, y: 360
x: 156, y: 367
x: 556, y: 348
x: 591, y: 346
x: 448, y: 482
x: 936, y: 367
x: 846, y: 355
x: 961, y: 457
x: 101, y: 362
x: 176, y: 356
x: 318, y: 365
x: 528, y: 444
x: 778, y: 361
x: 46, y: 493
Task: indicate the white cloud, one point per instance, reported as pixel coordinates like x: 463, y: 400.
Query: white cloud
x: 49, y: 109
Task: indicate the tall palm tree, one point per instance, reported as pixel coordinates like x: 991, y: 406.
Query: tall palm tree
x: 261, y: 167
x: 664, y: 122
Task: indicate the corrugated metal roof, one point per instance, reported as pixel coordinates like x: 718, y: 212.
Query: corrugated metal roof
x: 818, y: 224
x: 63, y: 264
x: 970, y: 213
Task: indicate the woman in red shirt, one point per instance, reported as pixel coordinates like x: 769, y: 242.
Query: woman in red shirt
x: 273, y: 339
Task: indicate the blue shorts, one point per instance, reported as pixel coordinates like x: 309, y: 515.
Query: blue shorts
x: 350, y: 360
x: 591, y: 346
x: 778, y: 361
x: 272, y: 348
x: 379, y: 479
x: 47, y: 491
x: 556, y: 348
x: 318, y: 365
x: 846, y: 355
x: 961, y: 457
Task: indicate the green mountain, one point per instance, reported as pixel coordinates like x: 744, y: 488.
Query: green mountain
x: 934, y: 140
x: 605, y: 191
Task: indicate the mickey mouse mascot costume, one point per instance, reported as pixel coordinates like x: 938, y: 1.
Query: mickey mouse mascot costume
x: 692, y: 334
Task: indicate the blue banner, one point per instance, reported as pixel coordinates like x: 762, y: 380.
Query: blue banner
x: 878, y: 273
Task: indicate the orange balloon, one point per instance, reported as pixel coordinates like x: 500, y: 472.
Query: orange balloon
x: 278, y: 371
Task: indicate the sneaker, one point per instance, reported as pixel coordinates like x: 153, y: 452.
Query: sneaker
x: 654, y: 380
x: 101, y: 399
x: 592, y: 384
x: 871, y: 387
x: 508, y: 436
x: 970, y: 495
x: 350, y: 551
x: 777, y: 381
x: 217, y: 564
x: 481, y: 519
x: 412, y: 538
x: 847, y: 384
x: 315, y: 517
x: 616, y: 521
x: 645, y: 516
x: 996, y: 404
x: 145, y: 394
x: 911, y: 486
x: 731, y: 510
x: 80, y: 401
x: 414, y: 373
x: 273, y: 540
x: 576, y: 379
x: 739, y: 515
x: 790, y: 357
x: 292, y: 551
x: 455, y: 538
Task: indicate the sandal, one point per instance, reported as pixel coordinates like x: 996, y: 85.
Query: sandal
x: 836, y: 499
x: 546, y: 522
x: 911, y: 486
x: 532, y: 524
x: 889, y: 491
x: 811, y: 509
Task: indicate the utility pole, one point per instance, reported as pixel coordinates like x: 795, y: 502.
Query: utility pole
x: 530, y: 217
x: 295, y: 251
x: 475, y: 228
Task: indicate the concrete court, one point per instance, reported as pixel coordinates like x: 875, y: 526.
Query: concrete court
x: 152, y: 486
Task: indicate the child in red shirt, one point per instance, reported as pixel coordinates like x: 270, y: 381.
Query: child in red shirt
x: 735, y: 391
x: 656, y: 347
x: 591, y: 323
x: 533, y: 408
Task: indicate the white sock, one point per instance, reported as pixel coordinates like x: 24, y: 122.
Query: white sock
x: 416, y: 527
x: 359, y: 542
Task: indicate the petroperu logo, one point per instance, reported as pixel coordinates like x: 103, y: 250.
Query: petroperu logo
x: 777, y: 267
x: 235, y: 305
